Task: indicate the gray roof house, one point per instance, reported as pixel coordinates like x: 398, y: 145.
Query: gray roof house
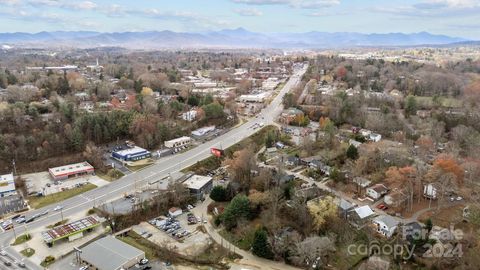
x: 386, y: 225
x: 109, y: 253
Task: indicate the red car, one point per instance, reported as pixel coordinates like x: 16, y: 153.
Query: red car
x: 382, y: 207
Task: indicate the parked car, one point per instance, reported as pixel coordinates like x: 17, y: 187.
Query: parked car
x: 143, y: 261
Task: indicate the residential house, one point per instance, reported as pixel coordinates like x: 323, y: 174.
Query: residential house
x: 377, y: 191
x: 430, y: 191
x: 292, y: 161
x: 386, y: 225
x: 359, y: 216
x: 344, y: 207
x: 289, y: 115
x: 412, y: 231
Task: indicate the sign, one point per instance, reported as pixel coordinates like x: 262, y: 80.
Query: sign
x: 216, y: 152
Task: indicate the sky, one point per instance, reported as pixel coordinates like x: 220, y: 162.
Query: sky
x: 458, y: 18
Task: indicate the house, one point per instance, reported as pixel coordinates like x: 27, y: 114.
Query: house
x: 199, y: 185
x: 109, y: 253
x: 412, y: 231
x: 354, y: 143
x: 358, y: 216
x: 362, y: 182
x: 292, y: 161
x: 374, y: 137
x: 175, y: 212
x: 430, y: 191
x: 385, y: 225
x: 377, y: 191
x: 344, y: 207
x: 289, y: 115
x: 190, y: 115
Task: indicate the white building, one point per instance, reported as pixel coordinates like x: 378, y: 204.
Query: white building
x: 202, y: 131
x: 430, y: 191
x: 254, y: 98
x: 175, y: 212
x: 190, y: 115
x: 386, y: 225
x: 178, y: 142
x: 377, y: 191
x: 7, y: 185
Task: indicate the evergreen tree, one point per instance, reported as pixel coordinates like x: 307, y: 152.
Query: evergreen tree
x: 260, y: 246
x: 352, y: 152
x: 218, y: 194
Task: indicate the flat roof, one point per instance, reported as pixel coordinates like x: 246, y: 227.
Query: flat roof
x: 7, y: 183
x: 72, y: 228
x: 181, y: 139
x: 109, y: 253
x: 131, y: 151
x: 197, y: 181
x: 71, y: 169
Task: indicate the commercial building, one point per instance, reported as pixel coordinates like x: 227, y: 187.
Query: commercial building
x: 131, y: 154
x: 72, y: 231
x: 178, y: 142
x: 202, y: 131
x: 199, y: 185
x: 7, y: 185
x: 109, y: 253
x: 261, y: 97
x: 70, y: 171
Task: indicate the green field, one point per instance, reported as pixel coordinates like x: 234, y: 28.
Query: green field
x: 39, y: 202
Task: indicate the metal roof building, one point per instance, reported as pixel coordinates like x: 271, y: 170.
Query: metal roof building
x: 7, y: 185
x: 72, y: 170
x: 71, y: 230
x: 109, y: 253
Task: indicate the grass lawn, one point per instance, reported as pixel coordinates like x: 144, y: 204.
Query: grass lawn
x: 28, y: 252
x: 138, y: 165
x: 22, y: 239
x: 47, y: 261
x: 111, y: 175
x: 139, y: 242
x: 244, y: 242
x: 39, y: 202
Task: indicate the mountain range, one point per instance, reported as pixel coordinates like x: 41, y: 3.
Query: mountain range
x: 228, y: 38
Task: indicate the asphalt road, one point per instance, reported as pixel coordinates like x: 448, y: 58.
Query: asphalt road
x: 161, y: 169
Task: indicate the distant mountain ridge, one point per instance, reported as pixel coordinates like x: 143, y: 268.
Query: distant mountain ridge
x: 235, y: 38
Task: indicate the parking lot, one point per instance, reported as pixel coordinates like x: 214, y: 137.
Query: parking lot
x: 42, y: 182
x: 179, y: 233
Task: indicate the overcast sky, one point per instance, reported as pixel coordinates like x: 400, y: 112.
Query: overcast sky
x: 451, y: 17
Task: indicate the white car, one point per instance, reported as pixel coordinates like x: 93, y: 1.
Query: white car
x: 58, y: 208
x: 3, y: 252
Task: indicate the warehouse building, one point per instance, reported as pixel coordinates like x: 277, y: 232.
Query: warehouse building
x: 178, y: 142
x: 131, y: 154
x: 199, y: 185
x: 7, y: 185
x: 70, y: 171
x: 109, y: 253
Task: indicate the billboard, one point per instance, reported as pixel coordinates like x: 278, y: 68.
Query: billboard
x: 216, y: 152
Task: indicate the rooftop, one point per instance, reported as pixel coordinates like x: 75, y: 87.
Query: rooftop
x: 387, y: 220
x: 7, y: 183
x: 72, y: 168
x: 109, y: 253
x: 72, y: 228
x: 197, y: 181
x: 131, y: 151
x: 364, y: 211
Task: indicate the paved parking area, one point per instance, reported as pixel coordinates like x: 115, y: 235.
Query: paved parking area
x: 191, y: 245
x: 38, y: 182
x: 11, y: 204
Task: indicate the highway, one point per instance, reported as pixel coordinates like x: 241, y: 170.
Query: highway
x: 162, y: 168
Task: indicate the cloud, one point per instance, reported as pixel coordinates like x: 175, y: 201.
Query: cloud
x: 434, y: 8
x: 304, y: 4
x: 188, y: 18
x: 249, y: 12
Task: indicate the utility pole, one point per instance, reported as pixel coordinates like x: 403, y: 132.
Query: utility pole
x: 14, y: 167
x: 61, y: 213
